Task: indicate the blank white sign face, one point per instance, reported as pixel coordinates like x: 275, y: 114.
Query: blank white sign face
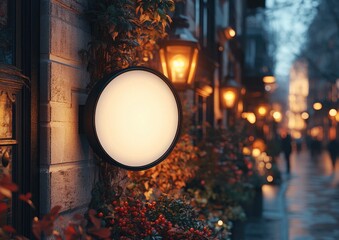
x: 136, y: 118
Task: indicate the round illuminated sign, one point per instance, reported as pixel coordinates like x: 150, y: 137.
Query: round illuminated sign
x: 133, y: 118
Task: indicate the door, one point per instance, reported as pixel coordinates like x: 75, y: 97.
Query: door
x: 19, y: 68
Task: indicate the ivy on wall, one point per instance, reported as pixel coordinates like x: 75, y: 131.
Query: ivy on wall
x: 124, y: 33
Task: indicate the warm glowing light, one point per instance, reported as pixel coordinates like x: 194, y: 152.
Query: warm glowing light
x: 251, y: 117
x: 317, y: 132
x: 256, y: 152
x: 262, y: 111
x: 266, y: 158
x: 207, y: 89
x: 135, y: 118
x: 220, y: 223
x: 269, y: 178
x: 246, y: 151
x: 259, y: 144
x: 332, y: 112
x: 178, y: 66
x: 317, y: 106
x: 268, y: 165
x: 277, y: 116
x: 179, y: 61
x: 269, y: 79
x: 229, y: 98
x: 232, y: 32
x: 305, y: 115
x: 337, y: 117
x: 229, y: 33
x: 296, y: 134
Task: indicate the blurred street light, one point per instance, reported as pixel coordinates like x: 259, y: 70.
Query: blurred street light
x: 305, y: 115
x: 332, y: 112
x: 277, y: 116
x: 230, y: 93
x: 317, y: 106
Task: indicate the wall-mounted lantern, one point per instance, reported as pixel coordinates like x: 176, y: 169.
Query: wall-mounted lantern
x: 133, y: 118
x: 230, y: 93
x: 179, y: 53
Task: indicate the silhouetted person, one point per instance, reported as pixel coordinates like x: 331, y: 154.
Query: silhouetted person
x: 286, y: 147
x: 332, y: 148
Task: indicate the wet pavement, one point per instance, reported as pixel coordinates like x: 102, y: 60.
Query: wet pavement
x: 304, y: 207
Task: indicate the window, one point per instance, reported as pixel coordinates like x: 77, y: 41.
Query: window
x: 7, y: 32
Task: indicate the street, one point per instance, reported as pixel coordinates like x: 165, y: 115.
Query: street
x: 305, y: 206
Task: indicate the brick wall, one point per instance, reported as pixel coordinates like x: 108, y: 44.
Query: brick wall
x: 66, y: 170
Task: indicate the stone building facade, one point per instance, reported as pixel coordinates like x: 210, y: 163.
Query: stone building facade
x: 66, y: 167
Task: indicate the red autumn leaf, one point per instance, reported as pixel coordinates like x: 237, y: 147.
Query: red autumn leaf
x: 46, y: 224
x: 55, y: 211
x: 96, y: 221
x: 101, y: 233
x: 8, y: 228
x: 27, y: 198
x: 71, y: 233
x: 3, y: 207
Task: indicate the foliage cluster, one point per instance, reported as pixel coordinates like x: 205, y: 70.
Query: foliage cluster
x: 226, y: 179
x: 124, y: 33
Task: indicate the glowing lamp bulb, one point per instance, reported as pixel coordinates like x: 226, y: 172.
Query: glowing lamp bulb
x: 179, y: 65
x: 229, y: 98
x: 220, y: 223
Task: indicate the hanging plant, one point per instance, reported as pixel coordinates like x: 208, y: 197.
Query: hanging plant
x: 124, y: 33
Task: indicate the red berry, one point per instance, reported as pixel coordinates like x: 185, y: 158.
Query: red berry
x: 100, y: 214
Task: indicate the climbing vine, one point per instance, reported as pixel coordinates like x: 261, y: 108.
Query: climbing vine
x: 124, y: 33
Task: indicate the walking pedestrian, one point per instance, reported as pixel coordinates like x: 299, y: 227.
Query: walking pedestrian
x: 332, y: 148
x: 286, y: 147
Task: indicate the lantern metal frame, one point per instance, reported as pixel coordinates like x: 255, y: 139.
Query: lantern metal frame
x: 230, y: 85
x: 180, y: 37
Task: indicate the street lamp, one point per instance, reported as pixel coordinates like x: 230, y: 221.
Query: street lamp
x: 179, y: 53
x: 230, y: 92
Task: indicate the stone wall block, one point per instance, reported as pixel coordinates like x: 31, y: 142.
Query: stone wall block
x: 58, y: 143
x: 73, y: 5
x: 71, y: 187
x: 64, y: 78
x: 67, y: 40
x: 74, y: 18
x: 76, y: 146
